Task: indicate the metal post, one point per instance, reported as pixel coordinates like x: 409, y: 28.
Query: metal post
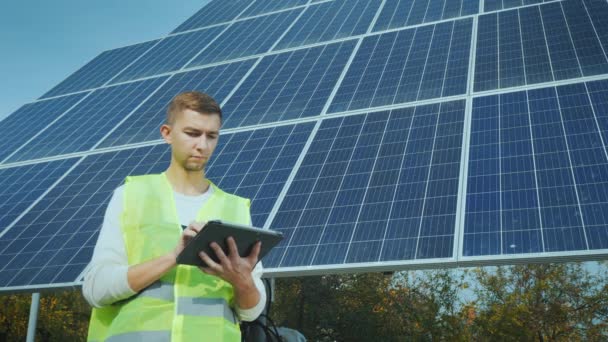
x: 31, y: 325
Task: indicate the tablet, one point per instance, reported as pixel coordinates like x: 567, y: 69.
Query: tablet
x: 217, y: 231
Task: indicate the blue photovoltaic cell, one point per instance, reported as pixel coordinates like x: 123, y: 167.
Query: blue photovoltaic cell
x: 261, y: 7
x: 247, y: 37
x: 215, y: 12
x: 54, y: 241
x: 143, y: 125
x: 87, y: 123
x: 538, y: 172
x: 256, y: 164
x: 32, y: 118
x: 289, y: 85
x: 330, y: 20
x: 408, y: 65
x: 171, y: 54
x: 401, y: 13
x: 495, y: 5
x: 101, y: 69
x: 21, y: 186
x: 374, y: 187
x: 555, y: 41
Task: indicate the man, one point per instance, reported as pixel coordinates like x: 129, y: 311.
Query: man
x: 137, y: 290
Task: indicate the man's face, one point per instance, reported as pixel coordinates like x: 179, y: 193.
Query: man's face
x: 193, y: 137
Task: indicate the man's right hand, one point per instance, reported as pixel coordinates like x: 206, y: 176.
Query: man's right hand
x: 188, y: 233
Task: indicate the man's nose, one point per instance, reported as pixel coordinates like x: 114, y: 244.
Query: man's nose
x: 202, y: 142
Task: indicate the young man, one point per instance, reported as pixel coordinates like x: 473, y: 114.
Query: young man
x: 137, y: 290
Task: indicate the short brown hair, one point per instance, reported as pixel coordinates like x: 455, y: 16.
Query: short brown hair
x: 193, y: 100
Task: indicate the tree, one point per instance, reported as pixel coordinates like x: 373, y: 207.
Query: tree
x: 62, y: 316
x: 544, y: 302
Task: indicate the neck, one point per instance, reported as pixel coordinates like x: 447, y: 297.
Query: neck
x: 187, y: 182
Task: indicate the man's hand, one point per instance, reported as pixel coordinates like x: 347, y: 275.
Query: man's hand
x: 232, y: 267
x: 188, y: 233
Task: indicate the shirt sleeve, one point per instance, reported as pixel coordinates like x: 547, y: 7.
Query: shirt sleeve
x: 252, y: 313
x: 105, y: 280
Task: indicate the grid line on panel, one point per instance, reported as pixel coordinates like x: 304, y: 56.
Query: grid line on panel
x: 287, y: 86
x: 394, y: 195
x: 170, y: 54
x: 365, y: 86
x: 22, y: 187
x: 101, y: 69
x: 559, y: 40
x: 142, y: 125
x: 292, y: 174
x: 16, y: 129
x: 542, y: 24
x: 222, y: 14
x: 578, y: 60
x: 540, y: 216
x: 306, y: 204
x: 246, y: 38
x: 330, y: 21
x: 596, y: 121
x: 318, y: 232
x: 60, y: 252
x: 462, y: 176
x: 271, y: 6
x: 83, y: 126
x: 357, y: 219
x: 561, y: 172
x: 571, y: 168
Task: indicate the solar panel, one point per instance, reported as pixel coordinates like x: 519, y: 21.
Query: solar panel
x: 374, y: 187
x: 143, y: 125
x: 172, y: 53
x: 537, y: 172
x: 247, y: 37
x: 401, y: 13
x: 27, y: 122
x: 101, y: 69
x: 54, y: 241
x: 288, y: 85
x: 408, y: 65
x: 330, y: 20
x: 215, y: 12
x: 495, y: 5
x: 561, y: 40
x: 83, y: 126
x: 21, y: 186
x: 261, y: 7
x: 376, y: 135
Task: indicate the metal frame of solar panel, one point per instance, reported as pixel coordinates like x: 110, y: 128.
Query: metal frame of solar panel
x: 396, y: 134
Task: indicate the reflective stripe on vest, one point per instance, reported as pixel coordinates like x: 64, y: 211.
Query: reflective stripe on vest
x: 143, y: 336
x: 185, y: 304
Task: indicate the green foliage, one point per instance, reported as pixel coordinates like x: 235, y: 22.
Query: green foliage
x: 62, y: 316
x: 552, y: 302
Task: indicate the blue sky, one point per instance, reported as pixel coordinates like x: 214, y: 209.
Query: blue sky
x: 43, y: 42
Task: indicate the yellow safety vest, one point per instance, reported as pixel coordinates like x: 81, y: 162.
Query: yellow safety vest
x: 185, y: 304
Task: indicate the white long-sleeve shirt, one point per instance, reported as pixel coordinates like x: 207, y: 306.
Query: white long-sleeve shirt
x: 106, y: 282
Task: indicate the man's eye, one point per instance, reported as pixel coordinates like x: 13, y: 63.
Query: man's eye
x: 192, y: 134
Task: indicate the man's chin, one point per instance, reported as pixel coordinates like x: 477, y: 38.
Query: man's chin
x: 194, y: 167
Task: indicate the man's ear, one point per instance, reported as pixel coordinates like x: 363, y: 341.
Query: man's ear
x: 165, y: 131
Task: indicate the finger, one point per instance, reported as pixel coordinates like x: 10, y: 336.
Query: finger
x: 255, y: 252
x: 189, y: 233
x: 232, y: 249
x: 196, y: 226
x: 208, y: 270
x: 211, y: 265
x: 219, y: 253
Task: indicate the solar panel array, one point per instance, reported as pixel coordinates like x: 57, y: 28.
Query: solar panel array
x: 376, y: 135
